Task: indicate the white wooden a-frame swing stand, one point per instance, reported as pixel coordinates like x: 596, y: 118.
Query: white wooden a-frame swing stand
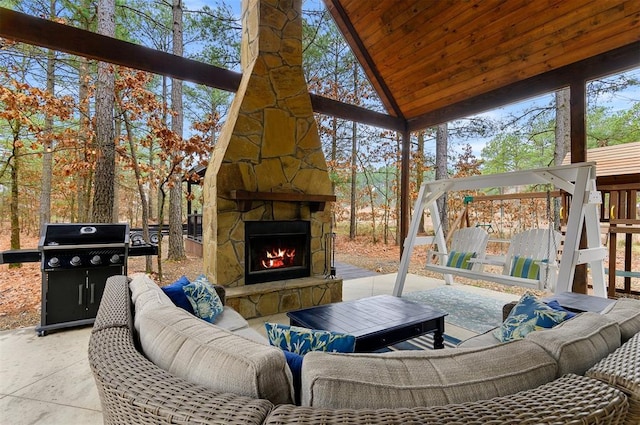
x: 575, y: 179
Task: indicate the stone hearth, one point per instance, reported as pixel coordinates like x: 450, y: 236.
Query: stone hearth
x: 268, y: 165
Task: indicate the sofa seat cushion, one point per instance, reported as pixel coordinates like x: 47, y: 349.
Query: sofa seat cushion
x: 422, y: 378
x: 231, y: 320
x: 579, y: 343
x: 486, y: 339
x: 205, y: 354
x: 626, y: 312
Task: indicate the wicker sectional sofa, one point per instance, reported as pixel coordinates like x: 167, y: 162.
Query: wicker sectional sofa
x: 155, y: 363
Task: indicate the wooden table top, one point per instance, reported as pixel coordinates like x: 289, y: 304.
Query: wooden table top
x: 366, y: 316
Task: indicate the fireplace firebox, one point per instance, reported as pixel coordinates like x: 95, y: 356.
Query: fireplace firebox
x: 277, y: 250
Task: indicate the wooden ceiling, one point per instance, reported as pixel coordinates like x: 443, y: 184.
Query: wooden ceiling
x: 424, y: 56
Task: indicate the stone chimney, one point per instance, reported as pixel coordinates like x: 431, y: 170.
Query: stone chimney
x: 268, y: 144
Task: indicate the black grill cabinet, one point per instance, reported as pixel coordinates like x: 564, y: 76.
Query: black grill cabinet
x: 76, y: 260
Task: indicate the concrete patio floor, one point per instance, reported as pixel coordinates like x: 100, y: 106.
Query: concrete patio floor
x: 47, y: 380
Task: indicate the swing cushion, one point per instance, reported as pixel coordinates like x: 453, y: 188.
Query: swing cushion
x: 525, y: 267
x: 460, y: 260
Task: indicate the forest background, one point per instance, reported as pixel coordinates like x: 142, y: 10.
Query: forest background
x: 56, y: 128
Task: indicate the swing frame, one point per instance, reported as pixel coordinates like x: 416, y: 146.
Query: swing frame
x: 576, y: 179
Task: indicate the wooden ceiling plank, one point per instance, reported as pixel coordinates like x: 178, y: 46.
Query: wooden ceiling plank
x: 613, y: 61
x: 395, y: 28
x: 424, y: 105
x: 517, y: 67
x: 459, y: 24
x: 387, y: 18
x: 513, y: 70
x: 479, y: 38
x: 495, y: 43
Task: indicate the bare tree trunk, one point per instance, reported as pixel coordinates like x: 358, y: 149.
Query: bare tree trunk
x: 441, y: 171
x: 176, y: 242
x: 15, y: 194
x: 354, y: 181
x: 354, y: 168
x: 105, y: 165
x: 143, y: 198
x: 397, y: 185
x: 563, y: 139
x: 84, y: 179
x: 47, y: 157
x: 563, y: 125
x: 116, y: 177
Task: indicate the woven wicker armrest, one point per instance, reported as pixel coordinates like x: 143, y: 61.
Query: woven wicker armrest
x: 571, y: 399
x: 621, y: 369
x: 133, y: 390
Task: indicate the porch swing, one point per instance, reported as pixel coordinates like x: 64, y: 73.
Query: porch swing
x: 532, y: 253
x: 527, y: 248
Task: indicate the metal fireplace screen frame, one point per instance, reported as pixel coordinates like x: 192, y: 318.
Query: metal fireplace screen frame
x: 277, y: 235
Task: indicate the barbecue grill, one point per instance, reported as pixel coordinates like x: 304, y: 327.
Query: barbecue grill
x: 76, y: 260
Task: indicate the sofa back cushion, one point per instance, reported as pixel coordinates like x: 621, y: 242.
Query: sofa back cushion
x: 626, y: 312
x: 579, y: 343
x: 423, y: 378
x: 205, y: 354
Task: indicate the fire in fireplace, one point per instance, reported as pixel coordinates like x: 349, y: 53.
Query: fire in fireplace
x: 277, y: 250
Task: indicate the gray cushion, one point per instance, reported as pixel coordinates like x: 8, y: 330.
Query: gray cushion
x: 205, y: 354
x: 626, y: 312
x: 141, y: 283
x: 486, y: 339
x: 230, y: 320
x: 423, y: 378
x: 580, y: 342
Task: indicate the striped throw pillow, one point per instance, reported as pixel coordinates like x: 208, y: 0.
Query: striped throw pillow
x: 460, y: 260
x: 525, y: 267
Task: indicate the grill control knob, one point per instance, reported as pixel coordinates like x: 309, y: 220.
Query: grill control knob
x: 75, y: 261
x: 53, y: 262
x: 95, y: 260
x: 115, y: 259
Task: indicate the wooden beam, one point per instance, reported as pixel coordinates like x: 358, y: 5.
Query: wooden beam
x: 611, y: 62
x: 52, y: 35
x: 334, y: 108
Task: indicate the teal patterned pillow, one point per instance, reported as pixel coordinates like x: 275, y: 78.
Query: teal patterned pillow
x: 302, y: 340
x: 460, y: 260
x: 528, y: 315
x: 203, y: 298
x: 525, y: 267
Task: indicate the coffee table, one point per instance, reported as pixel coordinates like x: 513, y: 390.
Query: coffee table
x: 376, y: 322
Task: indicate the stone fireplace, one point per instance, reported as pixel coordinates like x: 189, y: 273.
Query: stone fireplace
x: 268, y: 168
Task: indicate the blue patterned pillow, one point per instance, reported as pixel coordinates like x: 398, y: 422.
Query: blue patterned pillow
x: 177, y: 295
x: 460, y: 260
x: 302, y: 340
x: 203, y: 298
x: 525, y: 267
x: 554, y: 304
x: 528, y: 315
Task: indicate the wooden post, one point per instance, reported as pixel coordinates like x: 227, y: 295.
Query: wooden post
x: 578, y: 105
